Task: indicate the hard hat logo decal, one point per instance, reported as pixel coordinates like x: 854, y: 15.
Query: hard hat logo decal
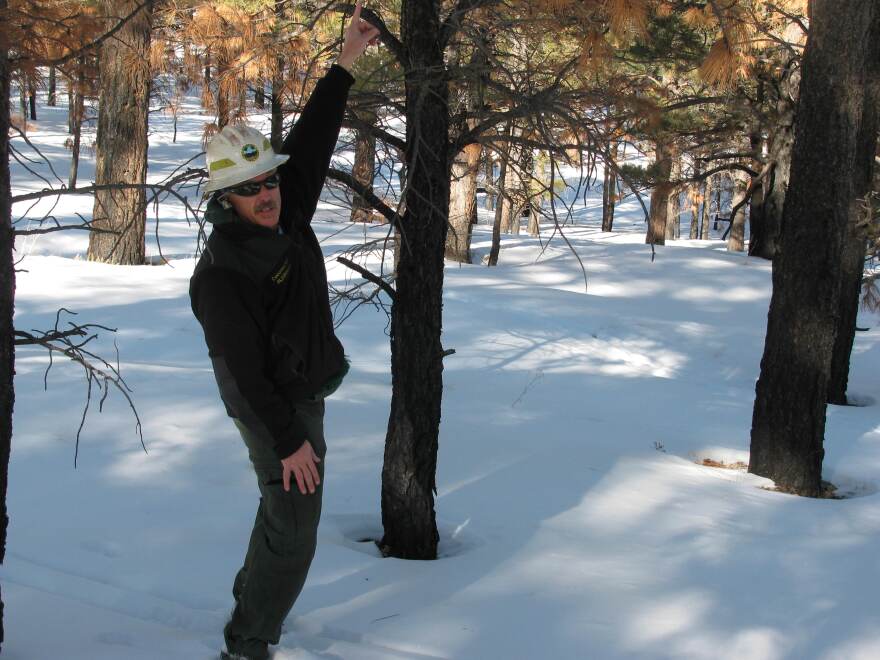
x: 250, y: 152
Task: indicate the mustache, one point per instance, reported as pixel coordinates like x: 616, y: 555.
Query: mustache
x: 268, y: 205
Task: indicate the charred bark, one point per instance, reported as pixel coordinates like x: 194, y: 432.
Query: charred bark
x: 756, y: 201
x: 837, y: 123
x: 277, y: 110
x: 765, y: 230
x: 122, y: 139
x: 32, y: 98
x: 851, y: 270
x: 410, y: 465
x: 76, y: 112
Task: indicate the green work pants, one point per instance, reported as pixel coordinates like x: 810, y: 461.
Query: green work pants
x: 282, y: 542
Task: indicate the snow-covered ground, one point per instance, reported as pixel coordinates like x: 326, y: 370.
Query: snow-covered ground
x: 576, y: 519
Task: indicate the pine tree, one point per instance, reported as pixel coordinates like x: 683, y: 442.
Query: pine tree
x: 838, y: 117
x: 123, y: 111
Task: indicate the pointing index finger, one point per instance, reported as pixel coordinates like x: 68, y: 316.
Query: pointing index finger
x: 355, y: 17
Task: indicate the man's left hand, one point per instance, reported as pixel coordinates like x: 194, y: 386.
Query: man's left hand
x: 358, y: 35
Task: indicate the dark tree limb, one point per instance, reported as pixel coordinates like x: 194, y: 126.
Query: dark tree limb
x: 366, y: 193
x: 386, y: 36
x: 367, y: 275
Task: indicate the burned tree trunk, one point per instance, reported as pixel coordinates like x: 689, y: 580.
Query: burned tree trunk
x: 75, y: 117
x: 836, y: 129
x: 851, y: 270
x: 410, y: 466
x: 764, y: 235
x: 122, y: 139
x: 7, y: 303
x: 32, y: 98
x: 276, y: 108
x: 756, y: 201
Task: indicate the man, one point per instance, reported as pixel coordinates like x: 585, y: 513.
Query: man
x: 260, y: 293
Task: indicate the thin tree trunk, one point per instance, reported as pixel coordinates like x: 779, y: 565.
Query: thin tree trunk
x: 706, y: 194
x: 835, y: 132
x: 609, y: 189
x: 32, y: 98
x: 410, y: 465
x: 78, y: 110
x: 364, y: 167
x: 275, y: 101
x: 466, y: 164
x: 489, y: 163
x: 736, y: 238
x: 222, y: 85
x: 664, y: 154
x: 276, y: 92
x: 694, y: 196
x: 7, y: 305
x: 122, y: 139
x: 71, y: 105
x: 756, y: 202
x: 509, y: 187
x: 499, y: 206
x: 51, y: 99
x: 520, y: 192
x: 537, y: 174
x: 851, y: 270
x: 673, y: 213
x: 260, y: 95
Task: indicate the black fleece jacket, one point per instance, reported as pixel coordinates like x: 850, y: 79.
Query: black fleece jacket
x: 261, y: 295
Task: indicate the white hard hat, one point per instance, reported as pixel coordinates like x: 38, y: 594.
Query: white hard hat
x: 237, y: 154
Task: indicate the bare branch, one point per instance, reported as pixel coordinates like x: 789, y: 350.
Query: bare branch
x: 367, y: 275
x: 97, y: 370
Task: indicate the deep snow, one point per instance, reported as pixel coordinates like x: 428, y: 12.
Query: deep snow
x: 575, y: 518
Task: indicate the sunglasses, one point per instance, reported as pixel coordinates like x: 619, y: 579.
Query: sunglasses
x: 251, y: 188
